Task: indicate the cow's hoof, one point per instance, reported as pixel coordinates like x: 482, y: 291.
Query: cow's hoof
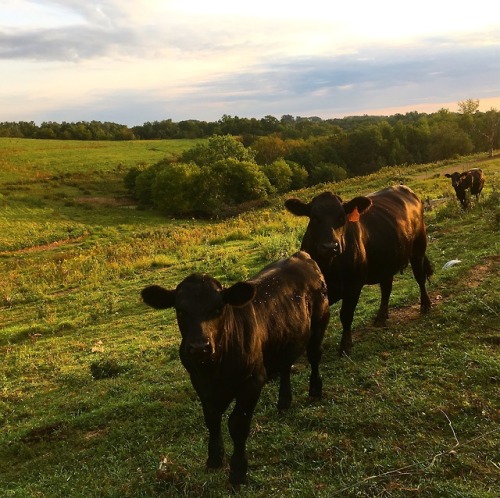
x: 424, y: 309
x: 315, y: 394
x: 235, y: 482
x: 214, y: 463
x: 344, y: 352
x: 233, y: 488
x: 284, y: 405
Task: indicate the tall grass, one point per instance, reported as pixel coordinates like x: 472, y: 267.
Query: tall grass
x: 93, y: 396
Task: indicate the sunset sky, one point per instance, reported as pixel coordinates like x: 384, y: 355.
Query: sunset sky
x: 135, y: 61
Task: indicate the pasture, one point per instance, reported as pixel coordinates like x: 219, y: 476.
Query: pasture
x: 95, y: 402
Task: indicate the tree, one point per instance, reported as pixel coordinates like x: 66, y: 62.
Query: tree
x: 174, y: 188
x: 300, y: 176
x: 448, y: 140
x: 279, y: 174
x: 269, y: 149
x: 469, y: 106
x: 327, y: 172
x: 229, y: 182
x: 218, y: 148
x: 365, y: 150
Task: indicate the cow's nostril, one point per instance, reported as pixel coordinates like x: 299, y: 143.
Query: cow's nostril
x: 331, y: 247
x: 200, y: 349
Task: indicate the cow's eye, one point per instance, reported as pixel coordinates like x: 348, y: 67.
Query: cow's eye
x: 216, y: 312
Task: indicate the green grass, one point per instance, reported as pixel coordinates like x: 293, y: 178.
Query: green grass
x: 93, y: 395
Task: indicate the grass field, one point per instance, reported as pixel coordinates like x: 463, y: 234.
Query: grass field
x: 92, y: 393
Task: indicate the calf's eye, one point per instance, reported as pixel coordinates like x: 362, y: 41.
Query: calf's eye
x: 216, y: 312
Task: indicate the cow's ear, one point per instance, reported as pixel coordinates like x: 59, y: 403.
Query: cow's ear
x: 447, y: 175
x: 158, y: 297
x: 356, y: 207
x: 239, y: 294
x: 297, y: 207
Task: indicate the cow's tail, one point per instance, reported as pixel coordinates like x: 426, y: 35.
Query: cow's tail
x: 428, y: 268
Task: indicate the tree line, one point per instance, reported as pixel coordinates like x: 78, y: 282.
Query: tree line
x: 229, y: 170
x: 248, y: 159
x: 401, y: 138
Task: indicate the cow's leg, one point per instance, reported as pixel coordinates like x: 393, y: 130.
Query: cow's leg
x: 285, y: 390
x: 314, y: 353
x: 239, y: 428
x: 421, y: 271
x: 213, y: 419
x: 349, y: 303
x: 383, y: 312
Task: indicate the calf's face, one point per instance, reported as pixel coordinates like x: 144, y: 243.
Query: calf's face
x: 456, y: 178
x: 460, y: 184
x: 199, y: 302
x: 328, y: 216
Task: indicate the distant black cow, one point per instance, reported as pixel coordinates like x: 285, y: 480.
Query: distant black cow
x: 365, y: 241
x: 234, y: 339
x: 472, y: 180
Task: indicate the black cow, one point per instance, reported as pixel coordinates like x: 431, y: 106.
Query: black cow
x: 472, y: 180
x: 365, y: 241
x: 234, y: 339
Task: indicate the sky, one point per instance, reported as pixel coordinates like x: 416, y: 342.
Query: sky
x: 134, y: 61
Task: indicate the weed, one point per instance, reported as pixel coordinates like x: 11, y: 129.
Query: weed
x: 95, y: 402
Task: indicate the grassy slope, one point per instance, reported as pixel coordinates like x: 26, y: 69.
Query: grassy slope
x: 92, y: 394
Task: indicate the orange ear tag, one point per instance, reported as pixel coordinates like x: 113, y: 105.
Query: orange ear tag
x: 353, y: 215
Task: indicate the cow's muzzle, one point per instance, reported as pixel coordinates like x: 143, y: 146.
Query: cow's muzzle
x: 330, y: 249
x: 201, y: 350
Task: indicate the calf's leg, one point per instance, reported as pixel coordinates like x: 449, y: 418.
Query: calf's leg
x: 239, y: 428
x: 213, y: 419
x: 285, y: 390
x: 315, y: 351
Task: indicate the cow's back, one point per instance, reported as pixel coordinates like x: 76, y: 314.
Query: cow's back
x: 290, y: 295
x: 476, y: 181
x: 386, y: 235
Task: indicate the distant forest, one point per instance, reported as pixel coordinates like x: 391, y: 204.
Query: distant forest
x: 247, y: 160
x: 359, y: 144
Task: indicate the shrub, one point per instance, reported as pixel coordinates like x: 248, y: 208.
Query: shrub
x: 230, y: 182
x: 327, y: 172
x: 173, y: 189
x: 279, y: 175
x: 300, y: 176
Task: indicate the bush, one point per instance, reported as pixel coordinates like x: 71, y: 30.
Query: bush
x: 130, y: 179
x: 144, y: 183
x: 300, y: 176
x: 279, y: 175
x: 218, y: 148
x: 327, y: 172
x: 173, y: 189
x: 230, y: 182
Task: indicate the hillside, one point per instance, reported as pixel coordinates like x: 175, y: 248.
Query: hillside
x: 93, y: 395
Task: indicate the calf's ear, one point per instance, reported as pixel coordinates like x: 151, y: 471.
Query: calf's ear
x: 447, y: 175
x: 158, y: 297
x: 239, y: 294
x: 297, y: 207
x: 356, y: 207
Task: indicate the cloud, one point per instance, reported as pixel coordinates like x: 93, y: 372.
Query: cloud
x: 137, y: 61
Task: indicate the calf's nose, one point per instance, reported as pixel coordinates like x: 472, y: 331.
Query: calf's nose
x: 200, y: 349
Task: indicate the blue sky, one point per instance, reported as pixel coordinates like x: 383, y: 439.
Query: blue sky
x: 135, y: 61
